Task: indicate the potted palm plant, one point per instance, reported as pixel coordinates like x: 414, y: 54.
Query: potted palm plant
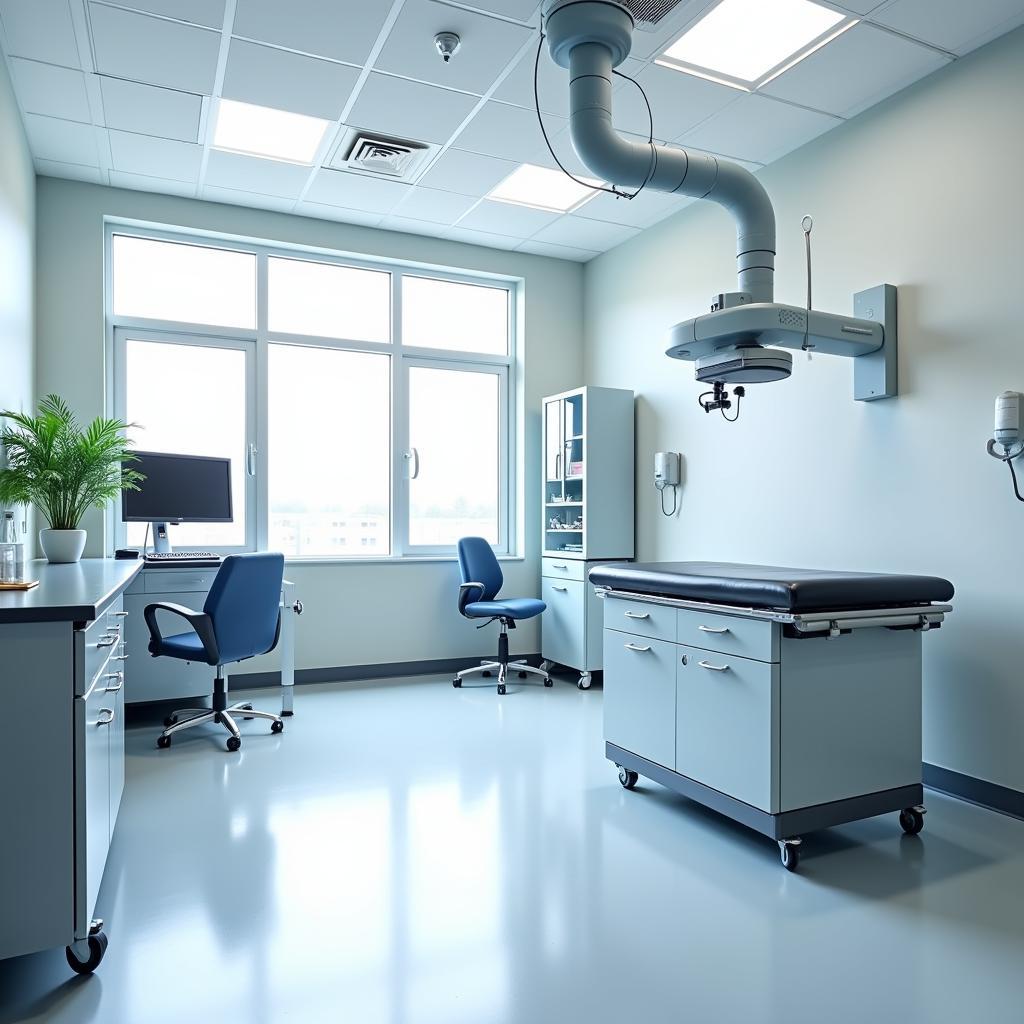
x: 63, y: 470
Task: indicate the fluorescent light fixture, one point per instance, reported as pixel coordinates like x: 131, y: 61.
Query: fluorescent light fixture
x: 661, y: 62
x: 747, y: 40
x: 266, y: 132
x: 543, y: 189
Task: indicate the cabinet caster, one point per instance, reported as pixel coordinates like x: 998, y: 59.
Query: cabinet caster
x: 276, y: 727
x: 501, y: 688
x: 627, y: 778
x: 585, y: 680
x: 789, y: 850
x: 234, y: 743
x: 548, y: 681
x: 97, y: 947
x: 912, y: 820
x: 456, y: 682
x: 170, y: 720
x: 546, y: 666
x: 163, y: 742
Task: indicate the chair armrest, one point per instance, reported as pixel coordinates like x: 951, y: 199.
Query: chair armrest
x: 464, y: 591
x: 199, y: 621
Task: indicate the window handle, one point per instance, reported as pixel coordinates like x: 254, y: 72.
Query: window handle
x: 250, y: 460
x: 412, y: 456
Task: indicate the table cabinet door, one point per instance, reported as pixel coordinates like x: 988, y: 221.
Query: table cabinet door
x: 563, y: 625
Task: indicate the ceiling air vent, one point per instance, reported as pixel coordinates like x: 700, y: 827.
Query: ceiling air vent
x: 649, y: 13
x: 381, y: 155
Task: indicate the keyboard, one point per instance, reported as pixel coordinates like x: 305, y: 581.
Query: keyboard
x: 183, y: 558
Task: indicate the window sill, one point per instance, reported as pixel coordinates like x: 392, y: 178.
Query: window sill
x: 389, y: 560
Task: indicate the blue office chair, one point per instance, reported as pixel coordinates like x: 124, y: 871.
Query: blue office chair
x: 478, y: 599
x: 240, y: 619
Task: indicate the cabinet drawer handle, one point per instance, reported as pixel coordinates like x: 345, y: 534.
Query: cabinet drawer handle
x: 713, y: 668
x: 107, y: 640
x: 561, y: 590
x: 119, y: 676
x: 709, y: 629
x: 638, y: 615
x: 636, y: 647
x: 105, y: 721
x: 119, y: 615
x: 119, y: 657
x: 556, y: 565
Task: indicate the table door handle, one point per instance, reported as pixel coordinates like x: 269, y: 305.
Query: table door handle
x: 638, y: 615
x: 710, y: 629
x: 713, y: 668
x: 637, y: 648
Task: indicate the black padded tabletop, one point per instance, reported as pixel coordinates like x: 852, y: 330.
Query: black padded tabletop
x: 770, y: 586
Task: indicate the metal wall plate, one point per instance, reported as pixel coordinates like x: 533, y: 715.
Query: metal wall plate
x: 876, y: 374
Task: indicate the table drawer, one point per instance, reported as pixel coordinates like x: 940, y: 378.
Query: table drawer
x: 94, y: 646
x: 640, y: 617
x: 728, y: 634
x: 564, y: 568
x: 178, y: 581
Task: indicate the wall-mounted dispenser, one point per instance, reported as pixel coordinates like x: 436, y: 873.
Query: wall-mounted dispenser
x: 1007, y: 442
x: 667, y: 473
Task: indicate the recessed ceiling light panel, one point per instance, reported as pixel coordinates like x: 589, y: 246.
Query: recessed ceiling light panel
x: 543, y: 189
x: 746, y: 42
x: 268, y: 133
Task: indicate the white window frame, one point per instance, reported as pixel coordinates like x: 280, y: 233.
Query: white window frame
x: 257, y: 342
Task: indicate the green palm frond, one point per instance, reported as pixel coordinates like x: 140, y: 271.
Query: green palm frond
x: 60, y: 468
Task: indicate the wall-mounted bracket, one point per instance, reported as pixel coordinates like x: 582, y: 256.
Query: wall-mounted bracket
x: 876, y: 374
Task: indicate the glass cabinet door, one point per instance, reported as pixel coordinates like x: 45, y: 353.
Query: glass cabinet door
x: 554, y: 461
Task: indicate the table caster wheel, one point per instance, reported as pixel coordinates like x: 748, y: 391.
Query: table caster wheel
x: 548, y: 681
x: 456, y: 682
x: 97, y: 947
x: 234, y: 743
x: 163, y: 742
x: 501, y: 688
x: 790, y: 854
x: 277, y: 726
x: 912, y: 820
x: 486, y: 673
x: 627, y: 778
x: 170, y: 720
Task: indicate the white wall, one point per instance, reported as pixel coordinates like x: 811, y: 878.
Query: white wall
x: 354, y: 614
x: 924, y: 192
x: 17, y: 238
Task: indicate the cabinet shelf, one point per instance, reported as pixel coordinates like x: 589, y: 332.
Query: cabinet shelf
x: 560, y: 530
x: 565, y: 504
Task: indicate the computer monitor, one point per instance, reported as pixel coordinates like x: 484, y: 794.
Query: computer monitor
x: 178, y: 489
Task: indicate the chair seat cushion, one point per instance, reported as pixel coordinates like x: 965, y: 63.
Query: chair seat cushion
x: 186, y: 646
x: 509, y: 608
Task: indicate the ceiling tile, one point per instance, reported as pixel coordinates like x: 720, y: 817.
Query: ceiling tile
x: 215, y: 194
x: 507, y: 219
x: 487, y: 46
x: 861, y: 7
x: 321, y: 211
x: 342, y: 31
x: 650, y: 44
x: 356, y: 191
x: 287, y: 81
x: 145, y: 49
x: 585, y: 234
x: 834, y: 80
x: 491, y: 241
x: 410, y: 110
x: 552, y: 85
x: 759, y: 128
x: 521, y: 10
x: 144, y: 183
x: 51, y: 90
x: 66, y: 141
x: 471, y: 174
x: 76, y: 172
x: 41, y: 30
x: 253, y: 174
x: 646, y: 209
x: 509, y: 132
x: 431, y: 204
x: 957, y: 25
x: 150, y: 110
x: 560, y: 252
x: 156, y: 158
x: 200, y: 12
x: 413, y: 227
x: 679, y: 102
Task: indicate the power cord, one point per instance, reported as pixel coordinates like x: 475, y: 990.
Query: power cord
x: 675, y: 501
x: 1016, y: 486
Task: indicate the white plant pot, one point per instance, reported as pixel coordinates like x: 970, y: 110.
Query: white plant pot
x: 62, y: 545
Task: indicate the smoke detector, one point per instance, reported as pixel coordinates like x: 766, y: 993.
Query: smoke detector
x: 380, y: 155
x: 447, y: 44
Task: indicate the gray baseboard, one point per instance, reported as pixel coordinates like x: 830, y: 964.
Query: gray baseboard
x: 976, y: 791
x: 352, y: 673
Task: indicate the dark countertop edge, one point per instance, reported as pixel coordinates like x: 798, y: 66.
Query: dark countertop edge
x: 70, y: 612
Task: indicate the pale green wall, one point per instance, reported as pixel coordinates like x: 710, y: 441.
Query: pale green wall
x: 924, y: 191
x: 355, y: 614
x: 17, y: 239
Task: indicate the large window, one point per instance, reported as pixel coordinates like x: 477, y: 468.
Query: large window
x: 365, y: 406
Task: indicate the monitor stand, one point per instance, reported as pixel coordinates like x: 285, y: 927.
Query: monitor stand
x: 162, y: 538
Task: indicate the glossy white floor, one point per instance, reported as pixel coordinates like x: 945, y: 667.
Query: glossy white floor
x: 411, y: 854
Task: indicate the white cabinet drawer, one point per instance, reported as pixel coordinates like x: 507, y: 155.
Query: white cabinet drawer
x: 564, y: 621
x: 641, y: 617
x: 729, y: 634
x: 94, y: 646
x: 563, y: 568
x: 178, y: 581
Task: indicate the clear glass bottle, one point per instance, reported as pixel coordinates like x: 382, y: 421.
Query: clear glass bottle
x: 12, y: 552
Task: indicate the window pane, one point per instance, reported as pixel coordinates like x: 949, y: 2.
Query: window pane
x: 190, y: 400
x: 186, y: 283
x: 329, y: 301
x: 459, y: 317
x: 330, y: 452
x: 454, y: 426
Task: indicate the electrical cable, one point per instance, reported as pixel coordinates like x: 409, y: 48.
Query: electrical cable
x: 732, y: 419
x: 1016, y: 486
x: 675, y: 501
x: 618, y: 193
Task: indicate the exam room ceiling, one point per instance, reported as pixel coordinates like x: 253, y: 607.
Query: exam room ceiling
x: 122, y: 93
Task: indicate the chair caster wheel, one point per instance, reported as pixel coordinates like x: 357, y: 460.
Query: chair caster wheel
x: 628, y: 778
x: 486, y: 673
x: 277, y: 726
x: 546, y: 665
x: 501, y: 688
x: 97, y: 947
x: 163, y: 742
x: 548, y: 681
x: 234, y: 743
x: 170, y: 720
x: 457, y: 682
x: 790, y: 854
x: 911, y: 820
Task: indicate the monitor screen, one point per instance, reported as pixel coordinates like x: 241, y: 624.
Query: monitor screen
x: 179, y: 489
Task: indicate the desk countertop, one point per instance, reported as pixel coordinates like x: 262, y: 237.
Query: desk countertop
x: 68, y: 593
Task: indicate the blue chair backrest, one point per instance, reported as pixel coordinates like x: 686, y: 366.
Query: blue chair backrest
x: 478, y: 564
x: 244, y: 604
